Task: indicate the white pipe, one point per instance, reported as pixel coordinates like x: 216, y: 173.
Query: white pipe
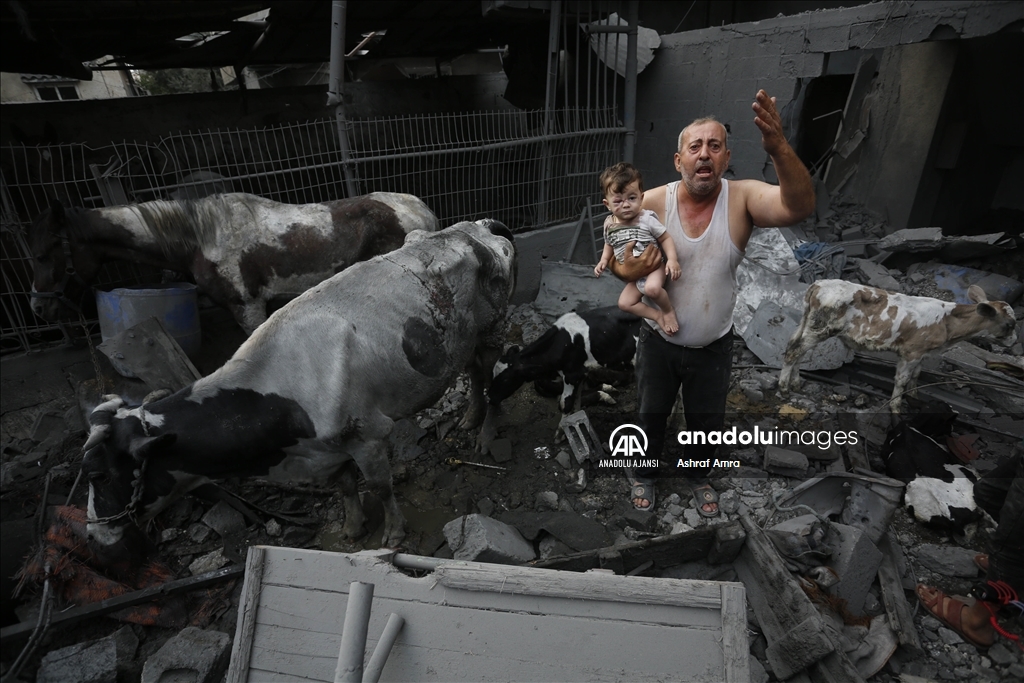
x: 353, y: 633
x: 380, y: 653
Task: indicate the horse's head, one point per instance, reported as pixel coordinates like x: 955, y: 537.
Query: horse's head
x: 59, y: 266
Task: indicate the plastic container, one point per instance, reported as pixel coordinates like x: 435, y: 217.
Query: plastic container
x: 173, y: 304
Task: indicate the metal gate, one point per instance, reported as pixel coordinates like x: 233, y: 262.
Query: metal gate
x: 528, y: 169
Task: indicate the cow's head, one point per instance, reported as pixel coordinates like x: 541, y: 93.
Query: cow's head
x: 59, y: 269
x: 122, y: 484
x: 997, y: 321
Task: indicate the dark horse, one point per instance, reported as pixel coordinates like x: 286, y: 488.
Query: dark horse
x: 241, y: 249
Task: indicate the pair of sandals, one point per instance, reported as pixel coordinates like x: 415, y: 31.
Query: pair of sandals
x: 643, y: 489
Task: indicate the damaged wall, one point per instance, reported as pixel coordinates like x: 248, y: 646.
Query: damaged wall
x: 717, y: 71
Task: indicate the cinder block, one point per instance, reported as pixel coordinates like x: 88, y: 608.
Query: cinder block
x: 746, y: 48
x: 788, y: 42
x: 824, y: 38
x: 729, y: 540
x: 785, y: 462
x: 875, y: 34
x: 192, y: 655
x: 855, y: 560
x: 803, y: 65
x: 482, y: 539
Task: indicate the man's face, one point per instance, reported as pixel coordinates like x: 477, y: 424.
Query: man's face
x: 625, y: 205
x: 703, y: 158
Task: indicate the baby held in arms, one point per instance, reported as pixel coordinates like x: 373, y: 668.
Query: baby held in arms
x: 623, y: 190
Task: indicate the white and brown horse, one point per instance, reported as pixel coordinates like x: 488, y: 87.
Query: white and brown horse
x: 241, y: 249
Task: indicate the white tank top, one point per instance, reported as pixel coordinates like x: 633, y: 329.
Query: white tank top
x: 705, y: 293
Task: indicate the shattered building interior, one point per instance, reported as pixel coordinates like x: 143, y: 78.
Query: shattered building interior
x: 359, y: 171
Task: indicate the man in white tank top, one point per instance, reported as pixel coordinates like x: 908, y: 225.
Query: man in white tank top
x: 710, y: 220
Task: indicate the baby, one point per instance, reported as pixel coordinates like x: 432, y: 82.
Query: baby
x: 623, y: 189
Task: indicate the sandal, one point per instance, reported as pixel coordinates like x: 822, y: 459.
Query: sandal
x: 706, y: 495
x: 644, y: 490
x: 947, y: 610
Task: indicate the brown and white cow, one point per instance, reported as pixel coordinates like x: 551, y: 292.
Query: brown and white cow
x: 876, y: 320
x: 318, y: 386
x: 241, y: 249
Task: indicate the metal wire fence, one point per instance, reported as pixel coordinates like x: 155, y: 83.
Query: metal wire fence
x: 501, y: 165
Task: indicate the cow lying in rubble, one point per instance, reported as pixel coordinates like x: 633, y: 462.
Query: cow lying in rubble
x: 877, y: 320
x: 576, y: 344
x: 315, y: 388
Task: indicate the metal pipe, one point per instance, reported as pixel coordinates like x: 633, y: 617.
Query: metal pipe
x: 549, y: 109
x: 380, y: 653
x: 629, y: 95
x: 406, y: 561
x: 336, y: 91
x: 353, y: 633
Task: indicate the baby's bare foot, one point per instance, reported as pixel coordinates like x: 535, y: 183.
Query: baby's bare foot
x: 668, y: 323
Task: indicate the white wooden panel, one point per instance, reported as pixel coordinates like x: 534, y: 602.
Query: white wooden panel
x: 602, y: 633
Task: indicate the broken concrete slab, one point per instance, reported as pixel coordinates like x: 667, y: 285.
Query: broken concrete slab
x: 913, y: 240
x: 574, y: 530
x: 208, y: 563
x: 97, y: 661
x: 875, y: 275
x: 947, y: 560
x: 770, y: 329
x: 963, y: 247
x: 853, y: 241
x: 148, y: 352
x: 478, y: 538
x: 769, y: 270
x: 193, y: 655
x: 568, y: 287
x: 224, y: 519
x: 856, y: 560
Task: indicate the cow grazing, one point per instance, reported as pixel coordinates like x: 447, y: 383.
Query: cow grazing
x: 877, y: 320
x: 242, y: 250
x: 315, y: 388
x: 575, y: 344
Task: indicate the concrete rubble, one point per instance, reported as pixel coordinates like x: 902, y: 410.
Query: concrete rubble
x: 820, y: 525
x: 192, y: 655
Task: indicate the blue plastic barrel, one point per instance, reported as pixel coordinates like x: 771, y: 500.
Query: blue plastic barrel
x: 173, y: 304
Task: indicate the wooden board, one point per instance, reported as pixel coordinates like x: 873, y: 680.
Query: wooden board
x: 470, y: 621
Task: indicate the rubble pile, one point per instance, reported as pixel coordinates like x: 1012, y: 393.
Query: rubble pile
x: 823, y: 526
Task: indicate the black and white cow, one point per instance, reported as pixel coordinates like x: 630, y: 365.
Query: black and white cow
x: 315, y: 388
x: 576, y: 344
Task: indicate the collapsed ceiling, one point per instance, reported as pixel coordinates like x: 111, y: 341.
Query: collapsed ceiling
x: 59, y: 37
